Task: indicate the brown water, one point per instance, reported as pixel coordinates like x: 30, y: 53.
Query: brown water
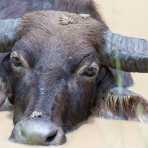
x: 128, y: 17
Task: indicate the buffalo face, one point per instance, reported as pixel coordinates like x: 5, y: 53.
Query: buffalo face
x: 54, y: 79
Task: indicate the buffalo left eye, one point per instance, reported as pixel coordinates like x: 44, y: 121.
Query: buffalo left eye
x: 16, y: 61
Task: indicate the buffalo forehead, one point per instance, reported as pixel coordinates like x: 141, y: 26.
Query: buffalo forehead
x: 47, y: 28
x: 44, y: 31
x: 59, y: 20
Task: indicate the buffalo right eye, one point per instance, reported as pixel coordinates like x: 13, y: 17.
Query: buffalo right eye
x: 89, y: 70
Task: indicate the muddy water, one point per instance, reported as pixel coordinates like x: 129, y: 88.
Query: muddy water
x: 129, y: 17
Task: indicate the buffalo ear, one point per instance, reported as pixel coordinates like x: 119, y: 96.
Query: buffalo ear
x: 5, y: 62
x: 5, y: 83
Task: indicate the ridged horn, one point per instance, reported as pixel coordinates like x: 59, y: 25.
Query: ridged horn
x: 125, y: 53
x: 8, y: 33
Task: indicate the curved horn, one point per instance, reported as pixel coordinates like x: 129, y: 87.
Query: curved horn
x: 8, y: 33
x: 125, y: 53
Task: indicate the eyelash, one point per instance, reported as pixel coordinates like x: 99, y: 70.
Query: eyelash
x: 77, y: 65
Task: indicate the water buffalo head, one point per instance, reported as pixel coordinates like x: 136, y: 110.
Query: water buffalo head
x: 53, y: 63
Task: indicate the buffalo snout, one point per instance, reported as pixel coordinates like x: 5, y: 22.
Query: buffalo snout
x: 38, y: 131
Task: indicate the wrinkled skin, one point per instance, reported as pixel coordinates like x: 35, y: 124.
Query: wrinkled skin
x: 57, y: 79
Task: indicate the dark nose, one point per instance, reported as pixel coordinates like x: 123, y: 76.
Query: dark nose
x: 38, y: 132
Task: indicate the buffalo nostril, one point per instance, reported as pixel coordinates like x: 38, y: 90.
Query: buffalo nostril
x: 51, y: 137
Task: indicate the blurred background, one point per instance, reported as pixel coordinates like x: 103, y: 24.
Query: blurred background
x: 128, y: 17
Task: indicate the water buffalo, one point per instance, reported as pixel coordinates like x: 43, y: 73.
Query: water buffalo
x: 58, y: 66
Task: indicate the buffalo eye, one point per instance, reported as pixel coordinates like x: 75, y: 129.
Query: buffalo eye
x: 89, y: 70
x: 17, y: 60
